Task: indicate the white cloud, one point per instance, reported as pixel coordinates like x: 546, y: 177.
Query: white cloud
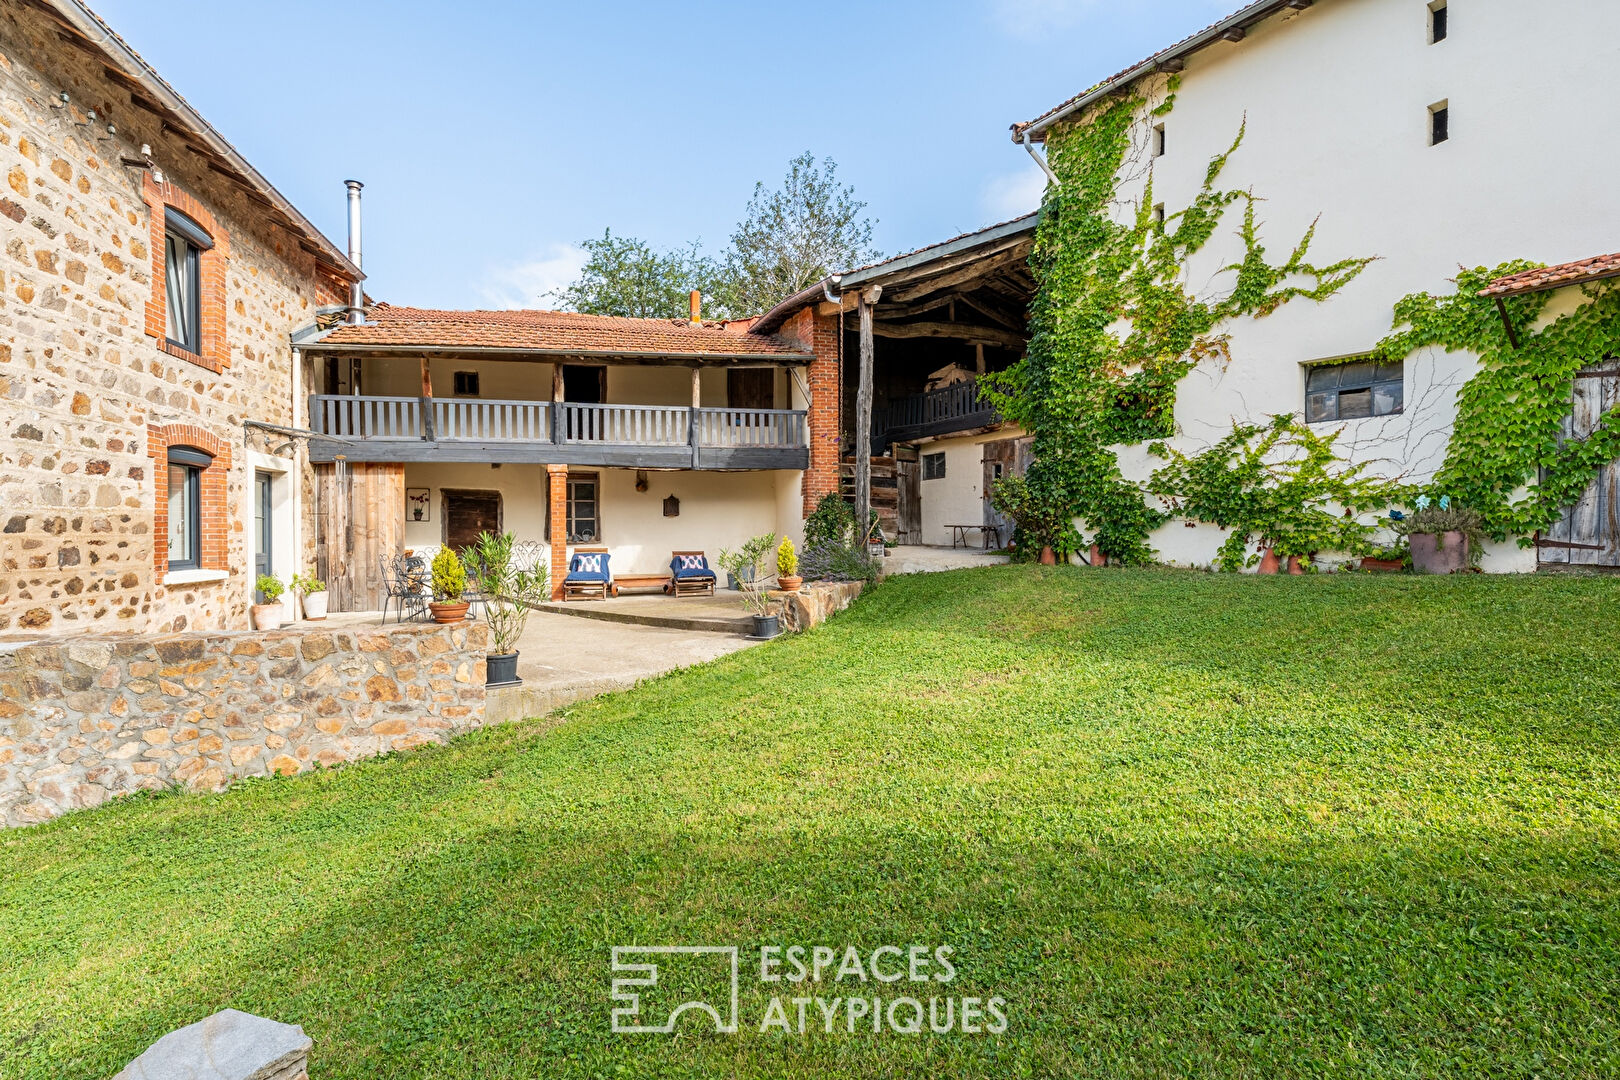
x: 1013, y: 194
x: 529, y: 282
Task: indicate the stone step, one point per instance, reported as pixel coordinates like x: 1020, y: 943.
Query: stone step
x: 705, y: 621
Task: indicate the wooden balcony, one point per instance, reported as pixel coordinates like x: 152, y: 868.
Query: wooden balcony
x: 555, y: 432
x: 934, y: 412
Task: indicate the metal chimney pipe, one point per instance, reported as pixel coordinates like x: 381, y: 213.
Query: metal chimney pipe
x: 357, y: 299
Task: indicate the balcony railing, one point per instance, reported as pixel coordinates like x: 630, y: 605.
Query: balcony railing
x: 652, y: 435
x: 933, y: 412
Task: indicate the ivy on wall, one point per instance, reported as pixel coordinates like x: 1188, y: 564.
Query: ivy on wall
x: 1113, y: 328
x: 1509, y: 429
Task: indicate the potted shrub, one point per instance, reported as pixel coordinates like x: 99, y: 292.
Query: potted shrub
x: 787, y: 567
x: 1386, y: 560
x: 744, y: 565
x: 268, y: 615
x: 449, y: 584
x: 509, y: 593
x: 312, y: 592
x: 1443, y: 538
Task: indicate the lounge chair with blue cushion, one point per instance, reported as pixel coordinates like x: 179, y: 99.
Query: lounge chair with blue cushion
x: 690, y: 574
x: 589, y: 577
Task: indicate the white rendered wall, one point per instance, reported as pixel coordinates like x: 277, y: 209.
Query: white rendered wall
x: 958, y: 497
x: 1336, y: 99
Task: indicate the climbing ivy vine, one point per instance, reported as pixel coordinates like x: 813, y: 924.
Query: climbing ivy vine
x: 1113, y: 327
x: 1509, y: 429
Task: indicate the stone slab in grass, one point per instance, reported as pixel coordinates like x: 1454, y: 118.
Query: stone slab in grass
x: 230, y: 1045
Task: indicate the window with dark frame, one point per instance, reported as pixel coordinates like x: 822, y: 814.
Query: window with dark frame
x: 185, y: 506
x: 933, y: 466
x: 1158, y: 140
x: 183, y: 243
x: 584, y: 508
x: 1353, y: 389
x: 1437, y: 24
x: 1439, y: 124
x: 466, y: 384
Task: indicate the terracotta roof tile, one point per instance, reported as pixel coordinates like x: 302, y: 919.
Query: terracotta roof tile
x: 552, y: 331
x: 1554, y: 277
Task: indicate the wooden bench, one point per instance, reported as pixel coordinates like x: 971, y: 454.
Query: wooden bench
x: 703, y: 586
x: 959, y: 535
x: 642, y: 581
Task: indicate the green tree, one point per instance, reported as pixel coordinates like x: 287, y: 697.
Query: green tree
x: 625, y: 276
x: 792, y: 237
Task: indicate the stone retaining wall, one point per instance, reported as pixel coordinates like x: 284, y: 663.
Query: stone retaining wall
x: 816, y: 603
x: 86, y: 719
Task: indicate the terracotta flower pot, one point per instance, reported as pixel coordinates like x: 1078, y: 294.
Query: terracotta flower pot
x: 791, y: 583
x: 266, y: 616
x: 449, y: 612
x: 1295, y: 566
x: 1269, y: 563
x: 1097, y: 557
x: 1048, y: 557
x: 1439, y: 553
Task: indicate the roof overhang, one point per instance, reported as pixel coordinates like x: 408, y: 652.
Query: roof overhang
x: 1228, y: 29
x: 125, y: 65
x: 1546, y: 279
x: 519, y: 353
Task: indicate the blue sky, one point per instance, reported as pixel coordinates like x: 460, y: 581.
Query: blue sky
x: 493, y: 136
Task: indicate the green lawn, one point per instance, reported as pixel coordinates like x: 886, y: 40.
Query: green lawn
x: 1184, y: 824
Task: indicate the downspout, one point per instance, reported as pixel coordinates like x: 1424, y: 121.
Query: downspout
x: 1029, y: 145
x: 295, y: 476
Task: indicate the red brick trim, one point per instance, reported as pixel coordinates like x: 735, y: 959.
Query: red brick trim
x: 211, y: 264
x: 211, y: 496
x: 822, y: 335
x: 557, y: 475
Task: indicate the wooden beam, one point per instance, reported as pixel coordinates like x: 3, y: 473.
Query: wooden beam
x: 990, y: 335
x: 697, y: 387
x: 995, y: 313
x: 428, y: 432
x: 954, y: 278
x: 556, y: 381
x: 863, y: 420
x: 1237, y: 33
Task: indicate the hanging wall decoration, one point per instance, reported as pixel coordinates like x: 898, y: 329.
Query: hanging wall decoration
x: 672, y: 507
x: 418, y: 504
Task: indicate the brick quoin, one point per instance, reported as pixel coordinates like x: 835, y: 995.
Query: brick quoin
x: 807, y: 328
x: 210, y: 494
x: 211, y: 265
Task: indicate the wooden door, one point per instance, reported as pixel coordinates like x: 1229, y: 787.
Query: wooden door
x: 1000, y: 459
x: 359, y: 518
x: 907, y: 475
x: 1588, y: 534
x: 263, y: 541
x: 468, y: 514
x: 584, y: 383
x: 750, y: 388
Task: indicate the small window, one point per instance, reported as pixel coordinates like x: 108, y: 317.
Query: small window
x: 1437, y: 23
x: 183, y: 242
x: 1439, y: 123
x: 1158, y: 214
x: 185, y: 506
x: 466, y: 384
x: 1352, y: 390
x: 584, y: 508
x: 1158, y: 140
x: 933, y: 466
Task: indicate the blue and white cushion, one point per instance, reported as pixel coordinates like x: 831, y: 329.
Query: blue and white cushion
x: 690, y: 566
x: 588, y: 566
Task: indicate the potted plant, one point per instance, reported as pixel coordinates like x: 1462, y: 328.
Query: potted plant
x: 312, y: 591
x: 449, y: 583
x: 509, y: 593
x: 1443, y: 538
x: 268, y: 615
x: 787, y: 567
x: 1385, y: 560
x: 744, y: 565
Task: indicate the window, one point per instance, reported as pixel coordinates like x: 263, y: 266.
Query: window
x: 1158, y: 214
x: 1437, y: 23
x: 1439, y: 123
x: 183, y: 242
x: 584, y: 514
x: 466, y: 384
x: 933, y: 466
x: 1158, y: 140
x: 185, y: 506
x: 1351, y: 390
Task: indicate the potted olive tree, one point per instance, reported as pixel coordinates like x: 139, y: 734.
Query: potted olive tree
x: 312, y: 592
x: 268, y: 615
x: 744, y: 565
x: 787, y: 567
x: 509, y: 594
x: 449, y: 584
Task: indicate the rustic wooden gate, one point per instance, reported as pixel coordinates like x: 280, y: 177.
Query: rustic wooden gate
x: 1002, y: 458
x: 907, y: 473
x: 359, y: 517
x: 1588, y: 534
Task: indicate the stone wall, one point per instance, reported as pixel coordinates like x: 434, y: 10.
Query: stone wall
x: 816, y: 603
x: 88, y: 719
x: 85, y: 375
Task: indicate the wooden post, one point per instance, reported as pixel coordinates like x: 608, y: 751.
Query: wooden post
x: 558, y: 420
x: 428, y: 434
x: 697, y: 403
x: 978, y: 357
x: 863, y: 420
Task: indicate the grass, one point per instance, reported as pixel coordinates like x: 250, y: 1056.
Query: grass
x: 1186, y: 825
